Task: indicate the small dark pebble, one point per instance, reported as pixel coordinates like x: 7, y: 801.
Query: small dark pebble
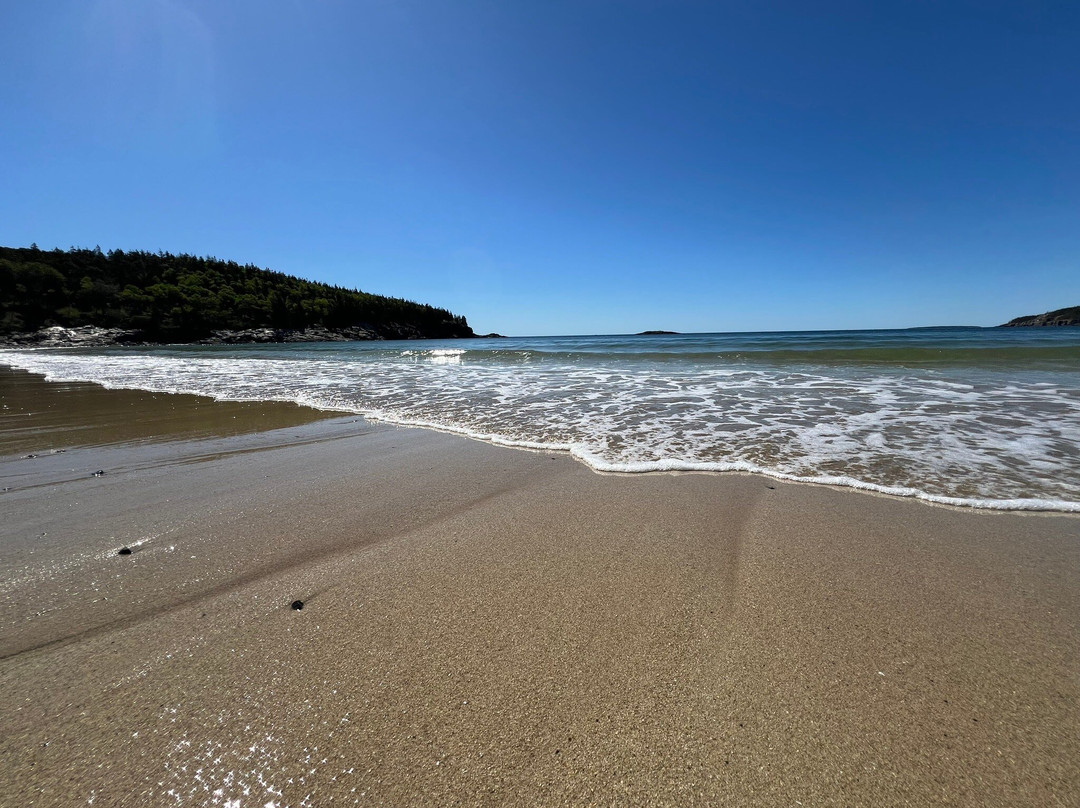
x: 297, y: 605
x: 771, y: 487
x: 29, y: 457
x: 98, y: 473
x: 124, y: 551
x: 557, y: 751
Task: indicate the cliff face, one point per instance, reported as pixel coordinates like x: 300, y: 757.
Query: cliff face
x: 1069, y: 316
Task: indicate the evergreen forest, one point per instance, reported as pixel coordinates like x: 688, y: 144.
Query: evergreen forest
x: 177, y: 298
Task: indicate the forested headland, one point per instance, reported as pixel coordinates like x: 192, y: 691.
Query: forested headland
x: 1058, y: 317
x: 160, y: 297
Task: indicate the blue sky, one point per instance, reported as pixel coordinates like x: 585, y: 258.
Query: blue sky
x: 567, y: 167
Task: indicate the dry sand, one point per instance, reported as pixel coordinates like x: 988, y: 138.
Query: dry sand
x: 490, y: 626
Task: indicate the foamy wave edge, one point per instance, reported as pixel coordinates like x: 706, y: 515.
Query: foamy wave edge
x: 579, y: 453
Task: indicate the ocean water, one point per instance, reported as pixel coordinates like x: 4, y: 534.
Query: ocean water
x: 985, y: 418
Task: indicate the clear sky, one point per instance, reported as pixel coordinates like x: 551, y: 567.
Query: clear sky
x: 567, y: 167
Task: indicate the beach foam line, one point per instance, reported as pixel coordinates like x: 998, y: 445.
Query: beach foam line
x: 599, y: 464
x: 577, y: 450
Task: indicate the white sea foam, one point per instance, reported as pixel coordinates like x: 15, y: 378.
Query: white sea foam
x: 959, y: 438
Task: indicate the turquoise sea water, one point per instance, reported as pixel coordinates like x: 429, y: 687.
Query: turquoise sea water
x: 966, y: 416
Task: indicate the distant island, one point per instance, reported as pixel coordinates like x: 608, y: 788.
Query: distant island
x: 653, y: 333
x: 1069, y: 316
x: 87, y: 297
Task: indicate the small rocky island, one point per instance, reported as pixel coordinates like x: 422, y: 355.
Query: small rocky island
x: 654, y: 333
x: 1058, y: 317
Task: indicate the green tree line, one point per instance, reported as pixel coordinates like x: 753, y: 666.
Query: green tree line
x: 173, y: 298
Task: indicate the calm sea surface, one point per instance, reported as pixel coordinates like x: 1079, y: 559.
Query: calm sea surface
x: 979, y: 417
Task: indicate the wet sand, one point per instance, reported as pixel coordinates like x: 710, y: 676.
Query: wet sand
x: 37, y: 416
x: 487, y: 626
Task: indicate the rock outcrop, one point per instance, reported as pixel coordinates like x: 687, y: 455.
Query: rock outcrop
x: 94, y: 337
x: 87, y: 336
x: 1058, y: 317
x: 315, y: 333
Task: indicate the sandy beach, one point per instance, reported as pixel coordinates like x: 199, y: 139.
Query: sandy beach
x: 491, y: 626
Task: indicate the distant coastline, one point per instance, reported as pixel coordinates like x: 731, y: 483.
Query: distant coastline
x: 1058, y: 317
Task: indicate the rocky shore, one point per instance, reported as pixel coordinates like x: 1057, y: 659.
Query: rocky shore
x: 1058, y: 317
x: 96, y: 337
x: 83, y: 337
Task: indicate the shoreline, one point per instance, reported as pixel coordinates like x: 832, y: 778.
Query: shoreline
x: 483, y: 625
x: 100, y: 337
x: 1026, y: 505
x: 39, y: 416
